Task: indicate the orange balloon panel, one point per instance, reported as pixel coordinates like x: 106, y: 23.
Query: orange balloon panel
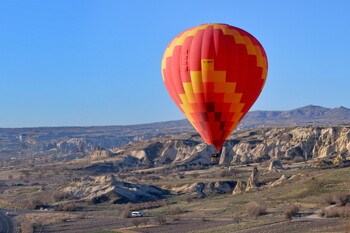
x: 214, y: 73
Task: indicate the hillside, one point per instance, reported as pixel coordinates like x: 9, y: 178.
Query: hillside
x: 242, y: 147
x: 67, y: 143
x: 171, y: 176
x: 308, y: 115
x: 75, y: 142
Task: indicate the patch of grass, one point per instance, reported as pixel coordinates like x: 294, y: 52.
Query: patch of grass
x: 7, y: 205
x: 255, y: 209
x: 238, y: 226
x: 304, y: 191
x: 46, y: 218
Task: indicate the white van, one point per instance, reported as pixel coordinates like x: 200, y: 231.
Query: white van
x: 136, y: 214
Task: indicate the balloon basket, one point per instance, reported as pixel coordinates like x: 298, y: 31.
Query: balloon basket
x: 215, y: 158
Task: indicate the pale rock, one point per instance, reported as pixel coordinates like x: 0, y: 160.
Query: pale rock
x: 281, y: 180
x: 339, y: 160
x: 244, y: 147
x: 240, y: 188
x: 253, y: 180
x: 169, y: 154
x: 141, y: 154
x: 100, y: 154
x: 225, y: 157
x: 296, y: 176
x: 203, y: 189
x: 96, y: 187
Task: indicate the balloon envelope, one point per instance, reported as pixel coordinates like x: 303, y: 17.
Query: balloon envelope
x: 214, y: 73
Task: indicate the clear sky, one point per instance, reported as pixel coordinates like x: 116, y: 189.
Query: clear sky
x: 83, y: 63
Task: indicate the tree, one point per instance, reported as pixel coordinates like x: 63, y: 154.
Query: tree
x: 136, y: 222
x: 237, y: 220
x: 144, y: 221
x: 255, y: 209
x: 291, y: 212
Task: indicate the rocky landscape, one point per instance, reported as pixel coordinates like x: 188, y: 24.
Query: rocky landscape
x: 242, y: 147
x: 164, y: 170
x: 60, y: 143
x: 108, y: 189
x: 66, y: 143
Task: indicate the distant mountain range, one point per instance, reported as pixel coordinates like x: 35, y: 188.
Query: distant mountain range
x: 74, y: 142
x: 308, y: 115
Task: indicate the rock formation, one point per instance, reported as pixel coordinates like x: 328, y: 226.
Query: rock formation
x: 107, y: 188
x: 100, y: 154
x: 275, y: 165
x: 240, y: 188
x: 203, y: 189
x: 243, y: 147
x: 279, y: 181
x: 339, y: 160
x: 296, y: 176
x: 253, y: 182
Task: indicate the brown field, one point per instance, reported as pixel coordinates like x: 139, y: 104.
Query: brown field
x: 34, y: 180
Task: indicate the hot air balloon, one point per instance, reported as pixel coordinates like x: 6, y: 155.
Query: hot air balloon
x: 214, y: 73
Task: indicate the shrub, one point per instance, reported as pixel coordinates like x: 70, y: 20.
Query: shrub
x: 124, y: 214
x: 60, y: 196
x: 181, y: 176
x: 161, y: 220
x: 144, y: 221
x: 291, y: 212
x: 136, y: 222
x: 339, y: 198
x: 255, y: 209
x: 343, y: 199
x: 99, y: 199
x: 71, y: 206
x: 34, y: 204
x: 322, y: 213
x: 237, y: 220
x: 336, y: 212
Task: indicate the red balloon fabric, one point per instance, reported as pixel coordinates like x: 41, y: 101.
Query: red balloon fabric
x: 214, y: 73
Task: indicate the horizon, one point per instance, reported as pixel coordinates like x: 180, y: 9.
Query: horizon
x: 156, y: 122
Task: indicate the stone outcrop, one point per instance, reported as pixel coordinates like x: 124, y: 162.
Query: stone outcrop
x: 100, y: 154
x: 339, y: 160
x: 243, y: 147
x: 296, y: 176
x: 240, y: 188
x: 203, y: 189
x: 158, y: 153
x: 275, y: 165
x: 283, y: 179
x: 108, y: 188
x: 279, y: 181
x: 253, y: 181
x: 287, y: 143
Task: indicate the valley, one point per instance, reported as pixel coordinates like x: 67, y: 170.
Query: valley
x: 270, y: 178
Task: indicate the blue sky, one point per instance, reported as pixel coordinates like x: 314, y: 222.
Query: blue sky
x: 83, y: 63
